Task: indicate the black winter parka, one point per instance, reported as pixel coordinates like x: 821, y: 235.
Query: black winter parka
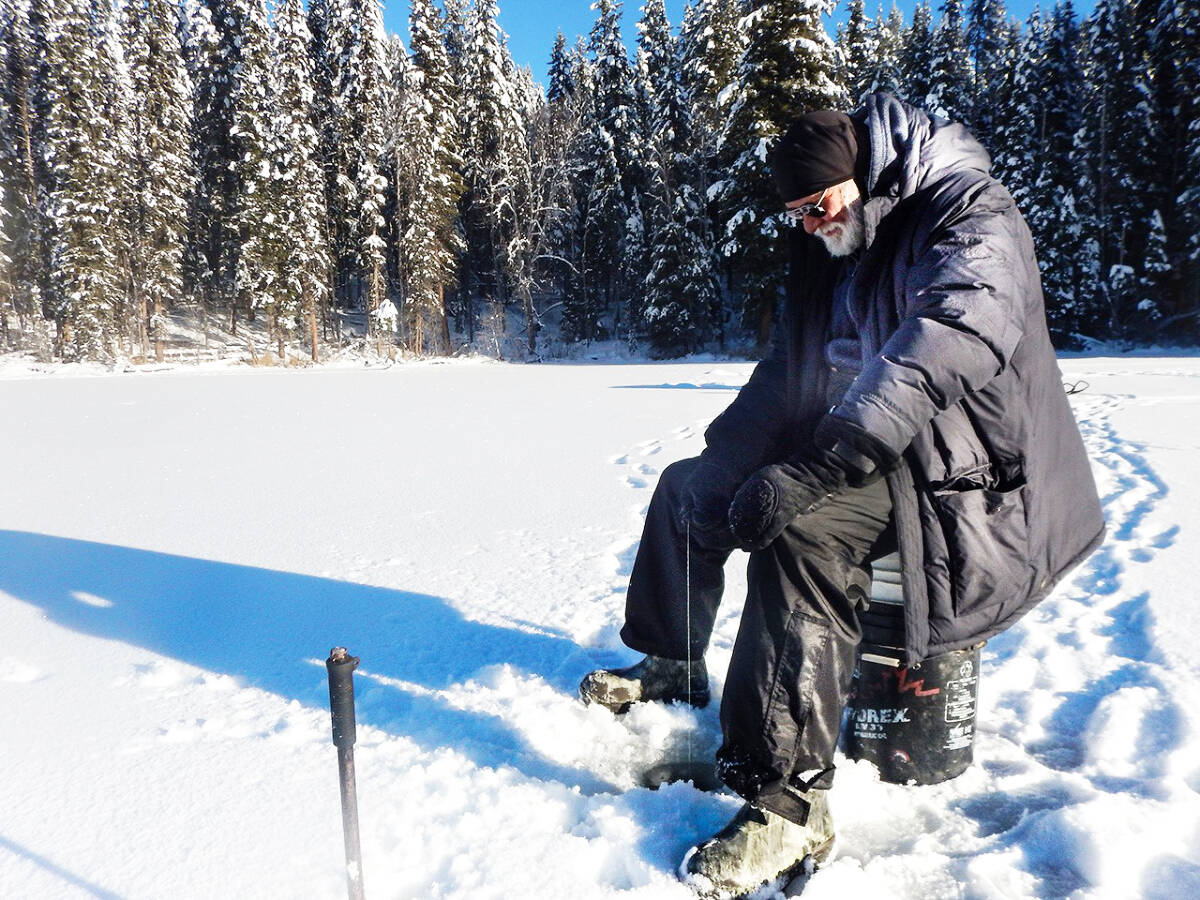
x: 994, y: 501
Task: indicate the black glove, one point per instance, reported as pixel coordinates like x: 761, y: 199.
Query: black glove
x: 863, y: 456
x: 704, y: 506
x: 776, y: 494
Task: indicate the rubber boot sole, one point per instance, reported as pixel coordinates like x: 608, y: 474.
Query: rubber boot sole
x: 619, y: 705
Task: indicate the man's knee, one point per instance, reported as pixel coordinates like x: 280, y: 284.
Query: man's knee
x: 676, y: 475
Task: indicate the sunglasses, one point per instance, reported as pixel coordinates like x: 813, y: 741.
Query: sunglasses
x: 816, y: 210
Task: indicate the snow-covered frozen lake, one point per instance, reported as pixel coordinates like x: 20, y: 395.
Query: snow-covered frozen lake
x: 179, y: 551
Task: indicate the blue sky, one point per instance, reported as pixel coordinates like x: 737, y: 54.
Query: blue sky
x: 532, y: 24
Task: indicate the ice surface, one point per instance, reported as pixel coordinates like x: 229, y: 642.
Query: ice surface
x: 179, y: 550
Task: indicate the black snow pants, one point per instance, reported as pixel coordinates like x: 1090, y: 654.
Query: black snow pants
x: 793, y: 658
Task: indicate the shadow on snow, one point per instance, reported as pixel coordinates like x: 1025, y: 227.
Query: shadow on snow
x: 266, y: 627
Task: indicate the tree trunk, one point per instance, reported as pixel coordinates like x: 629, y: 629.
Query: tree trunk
x: 531, y: 324
x: 310, y: 303
x: 159, y: 350
x: 143, y: 323
x: 445, y: 319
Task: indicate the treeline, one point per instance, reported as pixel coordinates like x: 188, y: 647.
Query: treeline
x: 1094, y: 127
x: 303, y: 168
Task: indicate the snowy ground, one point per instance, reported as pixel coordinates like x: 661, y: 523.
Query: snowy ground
x: 179, y: 550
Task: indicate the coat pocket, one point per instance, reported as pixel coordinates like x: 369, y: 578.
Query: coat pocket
x: 987, y: 541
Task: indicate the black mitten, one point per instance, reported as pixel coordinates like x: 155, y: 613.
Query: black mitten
x: 776, y: 494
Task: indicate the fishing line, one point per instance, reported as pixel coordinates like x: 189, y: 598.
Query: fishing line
x: 688, y: 618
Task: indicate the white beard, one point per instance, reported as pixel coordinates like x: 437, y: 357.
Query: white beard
x: 847, y: 234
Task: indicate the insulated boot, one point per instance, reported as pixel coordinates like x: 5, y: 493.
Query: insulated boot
x: 654, y: 678
x: 758, y: 848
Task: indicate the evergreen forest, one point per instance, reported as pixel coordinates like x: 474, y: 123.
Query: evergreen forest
x: 294, y: 171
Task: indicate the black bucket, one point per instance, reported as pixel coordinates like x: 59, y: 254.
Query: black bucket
x: 915, y: 723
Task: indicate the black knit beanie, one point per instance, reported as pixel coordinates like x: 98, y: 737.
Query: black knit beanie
x: 817, y: 151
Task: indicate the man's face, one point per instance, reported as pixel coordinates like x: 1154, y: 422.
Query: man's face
x: 841, y: 228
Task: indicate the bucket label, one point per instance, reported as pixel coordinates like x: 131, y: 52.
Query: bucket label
x: 960, y: 736
x: 881, y: 716
x: 871, y: 724
x: 960, y: 699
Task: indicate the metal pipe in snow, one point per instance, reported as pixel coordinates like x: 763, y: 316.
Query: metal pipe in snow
x: 340, y: 666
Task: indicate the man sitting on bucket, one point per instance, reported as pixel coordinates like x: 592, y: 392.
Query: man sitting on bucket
x: 913, y: 402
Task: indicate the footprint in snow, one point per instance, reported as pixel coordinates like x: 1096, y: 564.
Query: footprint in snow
x: 154, y: 674
x: 1166, y: 539
x: 1119, y: 724
x: 15, y: 671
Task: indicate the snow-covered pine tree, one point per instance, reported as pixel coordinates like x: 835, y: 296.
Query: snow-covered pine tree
x: 887, y: 74
x: 327, y: 23
x: 604, y: 100
x: 303, y: 284
x: 1016, y: 158
x: 1103, y: 51
x: 1060, y: 234
x: 599, y: 201
x: 8, y: 310
x: 950, y: 77
x: 680, y: 286
x: 1175, y: 49
x: 564, y: 131
x: 1188, y: 70
x: 1156, y: 269
x: 532, y: 201
x: 9, y: 173
x: 495, y: 148
x: 206, y: 247
x: 22, y: 164
x: 654, y: 45
x: 395, y: 98
x: 215, y: 53
x: 362, y: 79
x: 653, y: 69
x: 1123, y: 171
x: 859, y: 52
x: 553, y: 134
x: 559, y: 72
x: 615, y: 215
x: 116, y: 95
x: 456, y: 15
x: 986, y: 43
x: 81, y: 206
x: 916, y: 58
x: 430, y: 184
x: 161, y: 176
x: 669, y: 129
x: 246, y: 55
x: 788, y: 68
x: 713, y: 44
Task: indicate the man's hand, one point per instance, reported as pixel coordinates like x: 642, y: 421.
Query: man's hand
x: 776, y: 494
x: 864, y: 458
